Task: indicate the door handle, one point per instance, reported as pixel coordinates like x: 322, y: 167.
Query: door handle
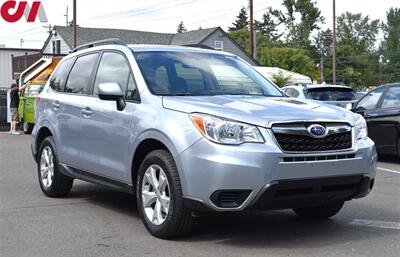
x: 56, y: 105
x: 87, y: 112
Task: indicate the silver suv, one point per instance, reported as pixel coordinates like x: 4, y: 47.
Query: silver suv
x: 190, y: 131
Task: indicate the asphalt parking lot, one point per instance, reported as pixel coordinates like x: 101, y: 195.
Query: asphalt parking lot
x: 95, y: 221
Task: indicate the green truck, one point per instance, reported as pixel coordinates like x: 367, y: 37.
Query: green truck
x: 26, y: 109
x: 36, y: 77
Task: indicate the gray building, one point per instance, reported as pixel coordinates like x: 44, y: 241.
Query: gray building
x: 60, y: 40
x: 6, y: 64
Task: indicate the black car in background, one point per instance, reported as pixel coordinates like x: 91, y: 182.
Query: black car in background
x: 381, y: 110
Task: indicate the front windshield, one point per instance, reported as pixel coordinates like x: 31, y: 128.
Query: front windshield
x: 183, y: 73
x: 331, y: 94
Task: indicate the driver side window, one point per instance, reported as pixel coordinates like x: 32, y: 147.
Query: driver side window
x: 370, y: 101
x: 114, y: 68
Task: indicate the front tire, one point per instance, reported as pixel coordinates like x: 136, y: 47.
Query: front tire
x: 159, y: 197
x: 27, y: 127
x: 52, y: 182
x: 319, y: 212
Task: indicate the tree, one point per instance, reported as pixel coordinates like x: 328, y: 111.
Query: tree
x: 322, y: 43
x: 357, y: 57
x: 358, y: 31
x: 293, y: 59
x: 281, y: 79
x: 390, y: 47
x: 269, y: 24
x: 241, y: 37
x: 181, y: 27
x: 301, y: 18
x: 242, y: 20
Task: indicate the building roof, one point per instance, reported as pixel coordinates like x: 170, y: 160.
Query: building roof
x: 19, y: 49
x: 86, y: 35
x: 192, y: 37
x: 189, y: 38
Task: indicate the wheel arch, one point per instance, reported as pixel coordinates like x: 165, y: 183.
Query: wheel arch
x: 42, y: 133
x: 146, y: 143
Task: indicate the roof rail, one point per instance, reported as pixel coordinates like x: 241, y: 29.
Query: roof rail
x: 200, y: 46
x: 109, y: 41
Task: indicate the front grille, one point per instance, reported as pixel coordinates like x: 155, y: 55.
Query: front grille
x: 296, y: 138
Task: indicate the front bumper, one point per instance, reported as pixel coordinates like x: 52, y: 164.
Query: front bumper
x: 250, y: 170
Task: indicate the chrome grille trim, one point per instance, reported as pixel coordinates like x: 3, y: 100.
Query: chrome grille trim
x: 298, y: 129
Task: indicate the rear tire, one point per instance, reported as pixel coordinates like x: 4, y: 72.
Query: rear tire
x: 159, y: 185
x: 27, y: 127
x: 51, y: 181
x: 319, y: 212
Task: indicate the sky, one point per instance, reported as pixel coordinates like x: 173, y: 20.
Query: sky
x: 163, y: 15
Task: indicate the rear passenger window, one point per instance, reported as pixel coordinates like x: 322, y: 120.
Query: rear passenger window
x: 59, y: 77
x: 80, y: 76
x: 114, y: 68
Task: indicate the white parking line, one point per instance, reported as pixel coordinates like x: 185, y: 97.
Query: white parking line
x: 375, y: 224
x: 388, y: 170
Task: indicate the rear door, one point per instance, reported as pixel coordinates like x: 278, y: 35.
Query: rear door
x: 68, y: 106
x: 106, y: 132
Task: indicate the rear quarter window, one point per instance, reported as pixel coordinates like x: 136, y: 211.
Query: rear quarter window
x: 60, y: 75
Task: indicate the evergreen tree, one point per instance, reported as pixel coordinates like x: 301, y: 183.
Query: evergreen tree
x: 181, y: 27
x: 242, y: 20
x: 268, y: 26
x: 390, y: 48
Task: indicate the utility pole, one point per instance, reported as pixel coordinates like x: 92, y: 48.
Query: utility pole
x: 74, y: 24
x: 251, y: 29
x: 334, y: 43
x: 66, y: 17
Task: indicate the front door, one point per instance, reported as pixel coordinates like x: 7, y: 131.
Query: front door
x: 368, y: 106
x: 106, y: 132
x: 383, y: 121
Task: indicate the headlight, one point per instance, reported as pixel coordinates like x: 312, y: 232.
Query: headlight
x: 361, y: 127
x: 224, y: 131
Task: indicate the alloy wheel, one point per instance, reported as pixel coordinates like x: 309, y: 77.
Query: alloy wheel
x: 47, y: 167
x: 155, y: 194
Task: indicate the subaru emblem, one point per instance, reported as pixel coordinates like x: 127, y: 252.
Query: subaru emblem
x: 317, y: 131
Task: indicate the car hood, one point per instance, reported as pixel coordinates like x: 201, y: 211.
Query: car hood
x: 258, y: 110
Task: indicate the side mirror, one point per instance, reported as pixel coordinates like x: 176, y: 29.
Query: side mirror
x: 112, y: 92
x: 359, y: 110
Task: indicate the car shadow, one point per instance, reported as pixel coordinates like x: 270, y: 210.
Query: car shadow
x: 280, y: 229
x: 102, y: 196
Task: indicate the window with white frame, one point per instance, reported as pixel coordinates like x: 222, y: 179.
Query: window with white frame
x: 57, y: 46
x: 219, y: 45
